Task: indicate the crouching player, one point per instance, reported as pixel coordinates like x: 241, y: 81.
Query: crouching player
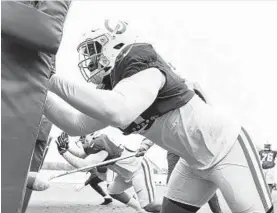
x: 96, y: 178
x: 130, y: 172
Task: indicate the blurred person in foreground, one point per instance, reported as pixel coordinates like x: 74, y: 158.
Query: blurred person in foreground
x: 31, y: 33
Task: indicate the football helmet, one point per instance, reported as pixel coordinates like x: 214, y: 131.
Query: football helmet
x: 100, y: 47
x: 267, y: 146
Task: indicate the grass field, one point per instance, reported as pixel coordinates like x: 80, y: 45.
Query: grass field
x: 62, y: 198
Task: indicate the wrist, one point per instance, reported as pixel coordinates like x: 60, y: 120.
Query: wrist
x: 143, y: 147
x: 63, y: 151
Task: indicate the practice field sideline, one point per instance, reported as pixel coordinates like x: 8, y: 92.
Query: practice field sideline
x: 62, y: 198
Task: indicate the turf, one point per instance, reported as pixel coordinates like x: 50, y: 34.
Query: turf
x: 63, y: 198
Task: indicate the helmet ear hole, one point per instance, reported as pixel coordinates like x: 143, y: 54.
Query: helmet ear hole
x: 118, y: 46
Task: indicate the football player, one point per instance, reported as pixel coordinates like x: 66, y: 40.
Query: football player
x: 135, y: 171
x: 141, y: 94
x: 172, y: 158
x: 96, y: 177
x: 268, y: 158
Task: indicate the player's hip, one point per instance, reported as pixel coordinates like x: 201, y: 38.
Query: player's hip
x: 128, y: 170
x: 196, y: 132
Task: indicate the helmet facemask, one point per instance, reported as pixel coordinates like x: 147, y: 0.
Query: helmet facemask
x: 267, y: 146
x: 98, y: 52
x: 93, y: 63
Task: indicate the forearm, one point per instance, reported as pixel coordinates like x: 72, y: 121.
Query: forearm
x: 75, y: 161
x: 146, y: 144
x: 98, y: 104
x: 88, y: 161
x: 69, y: 119
x: 119, y: 107
x: 74, y: 149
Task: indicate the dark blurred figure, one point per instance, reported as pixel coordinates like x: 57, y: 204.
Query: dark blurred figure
x: 41, y: 148
x: 31, y: 34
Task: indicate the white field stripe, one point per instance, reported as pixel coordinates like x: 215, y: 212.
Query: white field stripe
x: 256, y: 172
x: 148, y: 182
x: 150, y: 173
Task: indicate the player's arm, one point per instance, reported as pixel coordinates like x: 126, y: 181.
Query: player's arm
x: 64, y: 144
x: 94, y: 154
x: 69, y: 119
x: 77, y: 150
x: 82, y: 162
x: 118, y: 107
x: 145, y: 145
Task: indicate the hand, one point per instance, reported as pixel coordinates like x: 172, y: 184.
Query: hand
x: 141, y: 152
x: 62, y: 143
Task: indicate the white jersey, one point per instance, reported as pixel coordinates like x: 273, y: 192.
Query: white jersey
x: 127, y: 167
x: 196, y: 132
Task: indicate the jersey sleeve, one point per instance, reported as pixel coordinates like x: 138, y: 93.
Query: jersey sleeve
x: 133, y: 59
x: 95, y: 145
x: 133, y: 68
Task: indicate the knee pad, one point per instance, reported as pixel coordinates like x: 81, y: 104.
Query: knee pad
x: 169, y: 206
x: 122, y: 197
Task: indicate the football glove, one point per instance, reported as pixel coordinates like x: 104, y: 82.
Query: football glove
x: 62, y: 143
